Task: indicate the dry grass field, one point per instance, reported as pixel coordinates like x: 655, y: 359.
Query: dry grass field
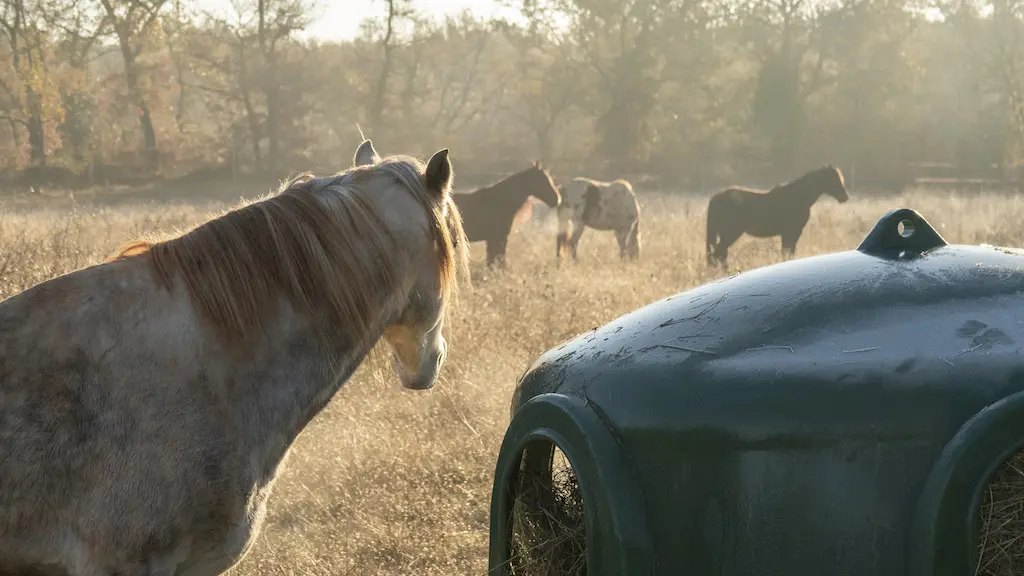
x: 388, y: 481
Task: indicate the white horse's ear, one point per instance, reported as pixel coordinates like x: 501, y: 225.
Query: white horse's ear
x: 439, y: 173
x: 365, y: 154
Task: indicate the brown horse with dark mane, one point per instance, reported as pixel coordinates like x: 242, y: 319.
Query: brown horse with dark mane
x: 490, y: 213
x: 782, y: 211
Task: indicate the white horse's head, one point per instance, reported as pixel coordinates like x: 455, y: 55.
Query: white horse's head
x: 415, y: 333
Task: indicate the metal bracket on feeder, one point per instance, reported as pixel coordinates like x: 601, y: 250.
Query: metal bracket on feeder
x: 901, y: 234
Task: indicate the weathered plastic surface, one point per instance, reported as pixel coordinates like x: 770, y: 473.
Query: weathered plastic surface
x: 836, y: 415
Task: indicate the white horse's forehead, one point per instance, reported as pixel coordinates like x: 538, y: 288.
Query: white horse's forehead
x: 399, y: 205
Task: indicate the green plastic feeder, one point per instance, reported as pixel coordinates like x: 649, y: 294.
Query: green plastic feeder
x: 838, y: 415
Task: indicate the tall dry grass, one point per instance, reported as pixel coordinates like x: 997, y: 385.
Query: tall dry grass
x: 389, y: 481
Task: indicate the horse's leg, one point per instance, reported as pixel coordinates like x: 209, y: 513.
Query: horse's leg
x: 496, y: 251
x: 633, y: 240
x: 577, y: 232
x: 788, y: 247
x: 718, y: 253
x: 711, y: 233
x: 629, y: 242
x: 564, y: 229
x: 726, y: 239
x: 789, y: 240
x: 711, y: 254
x: 620, y: 237
x: 722, y: 256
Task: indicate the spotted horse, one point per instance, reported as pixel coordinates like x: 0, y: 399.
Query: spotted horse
x: 601, y: 206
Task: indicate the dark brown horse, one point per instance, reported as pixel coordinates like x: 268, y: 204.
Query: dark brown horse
x: 782, y: 211
x: 488, y: 214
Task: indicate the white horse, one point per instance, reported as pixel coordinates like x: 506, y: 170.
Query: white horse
x: 146, y: 403
x: 601, y: 206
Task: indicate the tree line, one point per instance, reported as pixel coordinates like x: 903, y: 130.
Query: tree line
x: 688, y: 93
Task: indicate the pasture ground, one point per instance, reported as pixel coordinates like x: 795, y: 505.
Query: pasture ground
x: 388, y: 481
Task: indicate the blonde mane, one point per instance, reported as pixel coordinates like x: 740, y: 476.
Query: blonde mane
x: 330, y: 255
x: 842, y: 179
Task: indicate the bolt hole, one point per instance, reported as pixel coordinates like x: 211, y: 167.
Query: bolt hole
x: 905, y: 228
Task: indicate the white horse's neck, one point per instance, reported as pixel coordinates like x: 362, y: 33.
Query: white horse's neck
x: 290, y: 381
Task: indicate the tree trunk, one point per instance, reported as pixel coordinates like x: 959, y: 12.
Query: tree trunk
x: 74, y: 127
x: 271, y: 90
x: 33, y: 100
x: 255, y: 133
x: 131, y: 74
x: 379, y: 93
x: 273, y: 135
x: 36, y: 132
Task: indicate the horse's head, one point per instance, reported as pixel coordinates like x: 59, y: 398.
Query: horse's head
x: 835, y: 184
x: 541, y: 186
x: 420, y: 210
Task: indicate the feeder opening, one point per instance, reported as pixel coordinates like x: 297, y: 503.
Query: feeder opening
x: 905, y: 228
x: 548, y: 528
x: 1001, y: 521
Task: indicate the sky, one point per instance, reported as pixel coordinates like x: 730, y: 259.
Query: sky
x: 340, y: 19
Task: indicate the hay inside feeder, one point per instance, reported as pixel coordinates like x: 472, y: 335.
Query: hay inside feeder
x: 548, y: 530
x: 1001, y: 521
